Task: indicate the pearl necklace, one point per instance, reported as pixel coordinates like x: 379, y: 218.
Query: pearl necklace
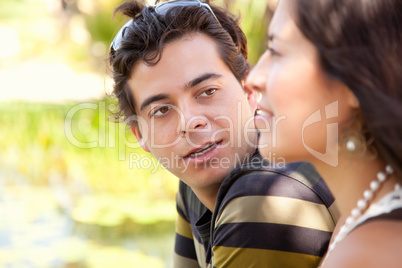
x: 362, y: 205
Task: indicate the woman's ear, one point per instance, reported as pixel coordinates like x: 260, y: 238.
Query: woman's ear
x: 353, y: 100
x: 137, y: 133
x: 346, y: 94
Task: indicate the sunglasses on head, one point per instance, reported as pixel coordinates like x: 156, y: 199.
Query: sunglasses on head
x: 160, y: 9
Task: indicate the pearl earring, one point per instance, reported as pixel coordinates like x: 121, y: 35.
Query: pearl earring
x: 351, y: 146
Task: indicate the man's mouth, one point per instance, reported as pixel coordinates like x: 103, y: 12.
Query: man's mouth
x: 203, y: 150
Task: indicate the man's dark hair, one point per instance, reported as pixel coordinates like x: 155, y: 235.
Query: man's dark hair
x: 150, y: 32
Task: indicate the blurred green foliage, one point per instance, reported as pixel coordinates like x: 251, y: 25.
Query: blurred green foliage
x: 255, y: 16
x: 41, y: 142
x: 79, y: 32
x: 17, y: 9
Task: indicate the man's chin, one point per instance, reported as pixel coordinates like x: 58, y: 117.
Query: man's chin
x: 204, y: 177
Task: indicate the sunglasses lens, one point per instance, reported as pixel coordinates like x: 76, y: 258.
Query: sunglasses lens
x: 164, y: 7
x: 119, y: 36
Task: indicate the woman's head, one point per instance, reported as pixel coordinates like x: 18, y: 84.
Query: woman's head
x: 333, y: 54
x: 359, y: 43
x: 152, y: 29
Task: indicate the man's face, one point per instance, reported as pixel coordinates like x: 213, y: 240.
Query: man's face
x: 192, y: 90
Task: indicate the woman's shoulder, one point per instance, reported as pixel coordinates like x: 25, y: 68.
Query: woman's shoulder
x: 373, y: 244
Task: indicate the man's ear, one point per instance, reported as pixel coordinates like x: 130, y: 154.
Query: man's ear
x: 137, y: 133
x: 252, y: 97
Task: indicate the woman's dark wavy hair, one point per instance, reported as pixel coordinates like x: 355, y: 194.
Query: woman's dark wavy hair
x: 145, y: 39
x: 360, y: 43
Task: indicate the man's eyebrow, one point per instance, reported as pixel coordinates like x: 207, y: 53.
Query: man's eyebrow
x: 192, y: 83
x: 201, y: 79
x: 152, y: 99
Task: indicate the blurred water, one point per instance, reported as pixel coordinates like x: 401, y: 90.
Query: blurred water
x: 37, y: 231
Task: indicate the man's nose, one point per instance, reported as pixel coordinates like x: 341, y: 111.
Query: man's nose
x: 192, y: 120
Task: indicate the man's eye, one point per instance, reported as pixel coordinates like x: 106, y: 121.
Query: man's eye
x: 207, y: 92
x: 161, y: 111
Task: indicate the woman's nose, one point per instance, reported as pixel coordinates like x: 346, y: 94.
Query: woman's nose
x: 257, y: 79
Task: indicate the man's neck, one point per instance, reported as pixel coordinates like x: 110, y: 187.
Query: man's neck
x: 208, y: 196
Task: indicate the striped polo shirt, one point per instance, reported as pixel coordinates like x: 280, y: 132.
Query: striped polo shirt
x: 264, y: 216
